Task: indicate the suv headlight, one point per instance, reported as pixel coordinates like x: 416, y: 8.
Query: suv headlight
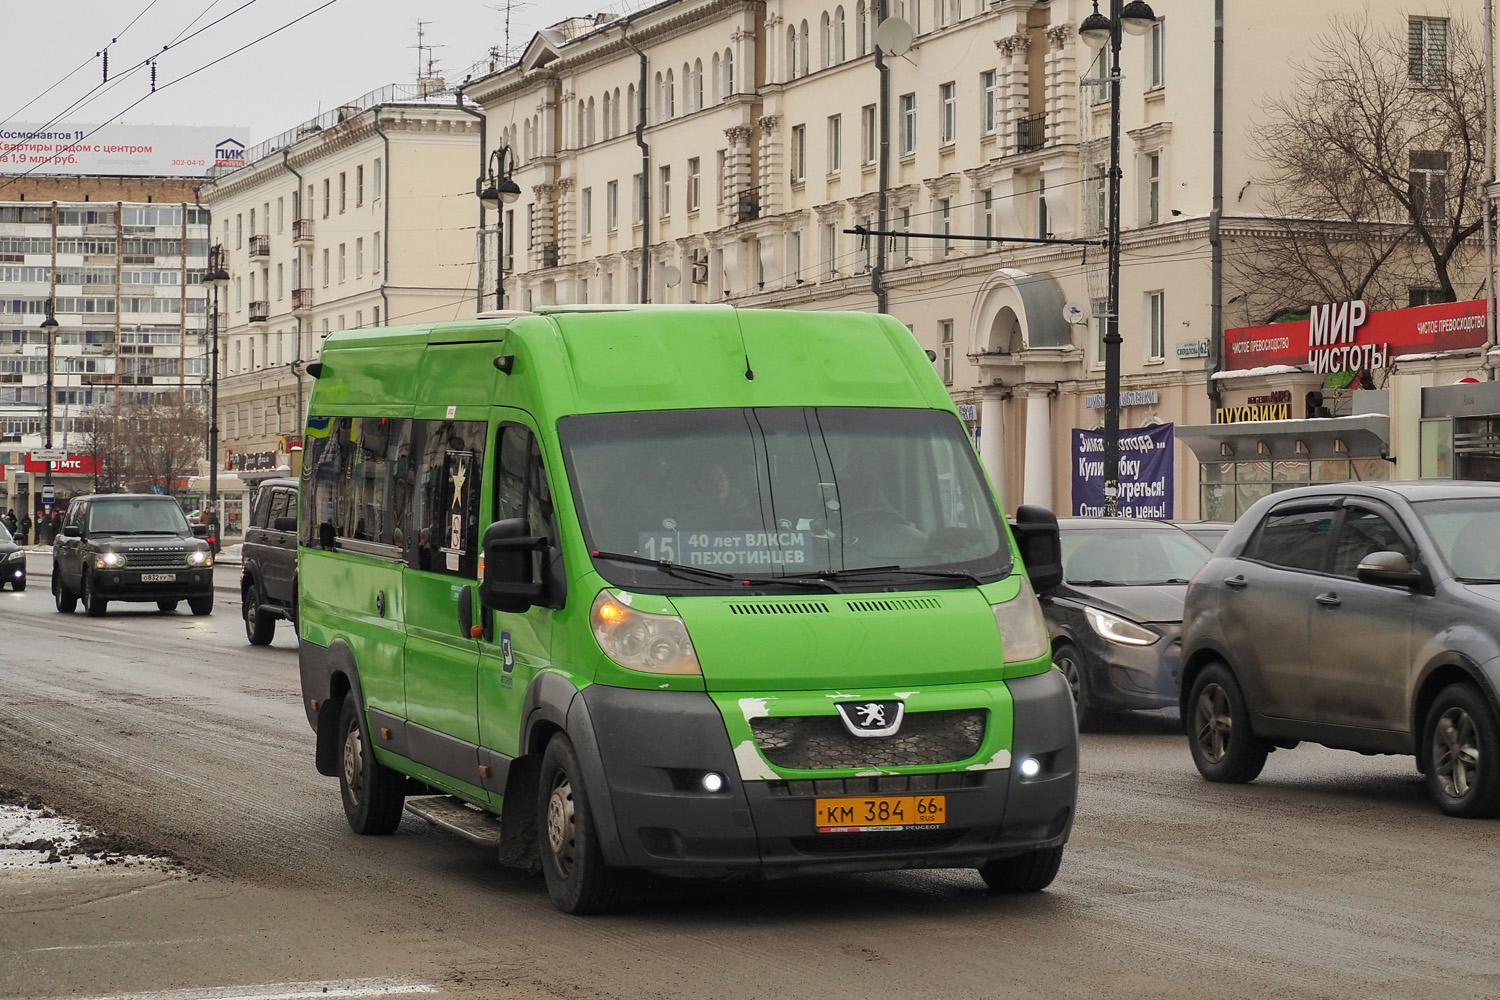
x: 636, y: 640
x: 109, y: 560
x: 201, y: 558
x: 1023, y: 630
x: 1117, y: 629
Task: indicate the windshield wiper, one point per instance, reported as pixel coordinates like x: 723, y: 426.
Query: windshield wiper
x: 1476, y: 579
x: 1094, y: 583
x: 676, y: 569
x: 952, y: 574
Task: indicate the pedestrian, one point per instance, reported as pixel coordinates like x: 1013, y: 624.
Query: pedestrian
x: 9, y: 519
x: 25, y: 528
x: 57, y: 523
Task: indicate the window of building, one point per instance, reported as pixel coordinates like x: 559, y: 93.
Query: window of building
x: 1424, y: 296
x: 343, y: 262
x: 906, y: 239
x: 637, y: 208
x: 1156, y: 325
x: 862, y: 27
x: 1096, y: 199
x: 239, y: 231
x: 343, y: 189
x: 945, y: 217
x: 375, y: 316
x: 948, y: 123
x: 945, y: 339
x: 325, y: 267
x: 1427, y: 51
x: 908, y: 124
x: 987, y: 212
x: 1429, y: 185
x: 327, y: 187
x: 1153, y: 188
x: 1043, y: 221
x: 794, y: 255
x: 988, y: 96
x: 1156, y: 55
x: 586, y: 212
x: 375, y: 180
x: 612, y: 206
x: 835, y: 143
x: 830, y: 236
x: 375, y: 258
x: 694, y: 184
x: 359, y: 185
x: 279, y: 289
x: 664, y: 191
x: 799, y: 153
x: 359, y: 257
x: 1099, y: 317
x: 280, y: 215
x: 1106, y: 67
x: 721, y: 164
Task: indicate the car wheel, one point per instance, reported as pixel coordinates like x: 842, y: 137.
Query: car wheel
x: 201, y: 605
x: 1223, y: 747
x: 1462, y: 753
x: 1066, y: 659
x: 572, y: 863
x: 166, y: 605
x: 1029, y: 872
x: 259, y: 628
x: 64, y: 598
x: 373, y: 794
x: 18, y: 584
x: 93, y: 605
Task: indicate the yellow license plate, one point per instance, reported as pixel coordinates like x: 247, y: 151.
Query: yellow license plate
x: 880, y: 812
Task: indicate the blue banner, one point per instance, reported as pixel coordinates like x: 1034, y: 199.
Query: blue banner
x: 1146, y: 472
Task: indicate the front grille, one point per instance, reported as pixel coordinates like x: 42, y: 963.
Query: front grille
x: 156, y: 560
x: 896, y: 604
x: 821, y: 741
x: 781, y: 608
x: 883, y: 784
x: 874, y: 843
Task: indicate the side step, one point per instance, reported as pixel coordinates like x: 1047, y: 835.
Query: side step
x: 469, y: 822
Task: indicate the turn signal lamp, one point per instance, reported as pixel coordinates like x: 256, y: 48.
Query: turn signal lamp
x: 638, y: 640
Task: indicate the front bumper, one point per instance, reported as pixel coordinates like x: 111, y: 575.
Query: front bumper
x: 127, y: 584
x: 1119, y: 676
x: 13, y: 572
x: 652, y: 745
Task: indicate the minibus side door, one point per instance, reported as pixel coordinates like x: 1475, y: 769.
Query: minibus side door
x: 517, y: 646
x: 442, y: 654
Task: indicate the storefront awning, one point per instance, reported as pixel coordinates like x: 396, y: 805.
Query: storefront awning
x: 1364, y: 436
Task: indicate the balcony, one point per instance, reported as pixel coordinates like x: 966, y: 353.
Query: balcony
x: 260, y: 310
x: 302, y: 232
x: 1031, y: 132
x: 260, y: 247
x: 302, y: 300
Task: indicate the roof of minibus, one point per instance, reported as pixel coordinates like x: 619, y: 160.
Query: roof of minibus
x: 620, y: 359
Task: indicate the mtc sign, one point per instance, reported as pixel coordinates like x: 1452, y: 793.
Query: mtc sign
x: 1346, y: 336
x: 73, y: 465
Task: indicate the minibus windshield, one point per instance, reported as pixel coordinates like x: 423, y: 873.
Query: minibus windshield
x: 878, y: 496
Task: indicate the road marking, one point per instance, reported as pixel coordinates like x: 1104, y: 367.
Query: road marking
x: 285, y: 991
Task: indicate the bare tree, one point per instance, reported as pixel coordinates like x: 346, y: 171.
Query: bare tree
x: 138, y: 445
x: 1376, y: 161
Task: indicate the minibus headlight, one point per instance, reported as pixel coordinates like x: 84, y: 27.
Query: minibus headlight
x: 637, y: 640
x: 1023, y: 630
x: 1117, y: 629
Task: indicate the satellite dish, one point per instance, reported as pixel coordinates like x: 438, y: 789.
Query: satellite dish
x: 1075, y: 314
x: 672, y: 276
x: 894, y: 36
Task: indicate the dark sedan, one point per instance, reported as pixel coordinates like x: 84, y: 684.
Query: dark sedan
x: 1116, y: 619
x: 12, y: 561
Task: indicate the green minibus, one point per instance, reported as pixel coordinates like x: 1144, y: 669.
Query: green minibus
x: 695, y: 591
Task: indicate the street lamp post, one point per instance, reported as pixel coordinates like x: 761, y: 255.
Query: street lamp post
x: 214, y: 279
x: 1097, y: 31
x: 495, y: 188
x: 49, y: 327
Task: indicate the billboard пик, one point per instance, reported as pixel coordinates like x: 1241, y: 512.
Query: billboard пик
x: 120, y: 150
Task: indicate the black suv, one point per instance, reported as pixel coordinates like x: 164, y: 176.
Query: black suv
x: 268, y: 582
x: 131, y: 547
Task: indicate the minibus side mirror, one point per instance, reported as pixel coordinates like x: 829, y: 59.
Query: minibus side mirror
x: 507, y: 584
x: 1040, y: 542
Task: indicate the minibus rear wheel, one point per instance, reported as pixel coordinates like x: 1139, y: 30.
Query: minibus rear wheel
x: 577, y: 878
x: 373, y: 794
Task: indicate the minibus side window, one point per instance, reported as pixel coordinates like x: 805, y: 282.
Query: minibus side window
x: 322, y: 472
x: 521, y: 488
x: 359, y: 488
x: 449, y: 466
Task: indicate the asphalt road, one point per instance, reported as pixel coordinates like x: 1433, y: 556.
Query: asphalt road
x: 1331, y: 876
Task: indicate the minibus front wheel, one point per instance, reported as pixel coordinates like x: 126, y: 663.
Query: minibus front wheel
x: 373, y: 794
x: 572, y: 863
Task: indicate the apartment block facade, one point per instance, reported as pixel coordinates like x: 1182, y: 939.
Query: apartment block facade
x: 768, y: 127
x: 362, y: 217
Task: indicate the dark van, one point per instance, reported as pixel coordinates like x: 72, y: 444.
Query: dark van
x: 268, y: 581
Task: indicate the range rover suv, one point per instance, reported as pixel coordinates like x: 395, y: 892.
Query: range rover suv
x: 131, y: 547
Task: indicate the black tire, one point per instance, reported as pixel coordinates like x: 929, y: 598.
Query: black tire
x: 373, y: 794
x: 65, y: 600
x: 577, y: 878
x: 201, y: 605
x: 1067, y: 659
x: 18, y: 585
x: 259, y: 627
x: 1218, y: 724
x: 1029, y: 872
x: 93, y: 605
x: 1461, y: 748
x: 166, y: 605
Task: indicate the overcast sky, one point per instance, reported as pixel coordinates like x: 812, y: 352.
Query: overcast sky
x: 333, y: 56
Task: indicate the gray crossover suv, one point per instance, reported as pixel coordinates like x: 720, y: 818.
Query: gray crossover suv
x: 1362, y: 616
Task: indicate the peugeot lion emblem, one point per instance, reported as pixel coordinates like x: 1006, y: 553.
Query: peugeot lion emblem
x: 871, y: 718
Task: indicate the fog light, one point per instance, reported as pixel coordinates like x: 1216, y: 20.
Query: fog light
x: 713, y: 781
x: 1031, y: 767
